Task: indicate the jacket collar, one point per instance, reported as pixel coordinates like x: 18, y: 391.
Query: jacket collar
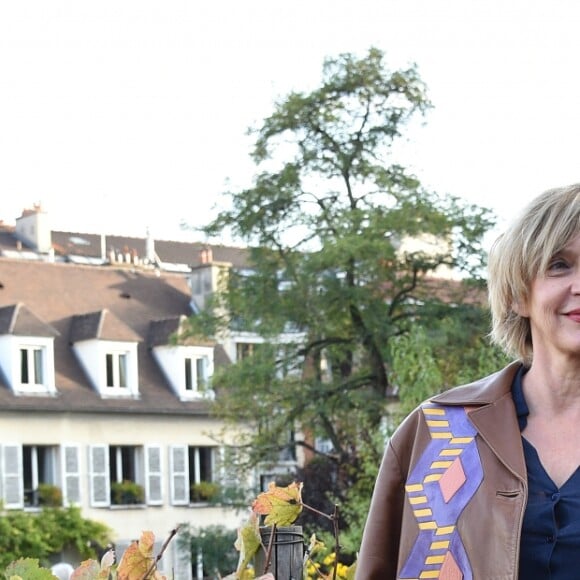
x: 491, y: 409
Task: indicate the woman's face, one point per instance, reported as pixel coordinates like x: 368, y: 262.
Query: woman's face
x: 553, y: 306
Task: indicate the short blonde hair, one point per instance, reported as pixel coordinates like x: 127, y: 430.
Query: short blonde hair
x: 525, y: 249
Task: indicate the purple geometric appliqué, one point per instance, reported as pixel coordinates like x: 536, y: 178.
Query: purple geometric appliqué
x: 441, y: 484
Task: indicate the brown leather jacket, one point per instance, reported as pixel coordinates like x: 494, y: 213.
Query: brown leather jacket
x: 433, y: 466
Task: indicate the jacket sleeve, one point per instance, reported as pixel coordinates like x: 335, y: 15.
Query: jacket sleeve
x: 378, y: 556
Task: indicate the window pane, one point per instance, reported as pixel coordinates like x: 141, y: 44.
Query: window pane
x: 205, y: 463
x: 188, y: 375
x: 24, y: 366
x: 200, y: 370
x: 122, y: 370
x: 38, y: 378
x: 110, y: 380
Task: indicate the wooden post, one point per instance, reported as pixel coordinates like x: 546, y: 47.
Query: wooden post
x: 287, y: 557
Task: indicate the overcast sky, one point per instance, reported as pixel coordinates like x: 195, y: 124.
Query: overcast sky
x: 119, y: 115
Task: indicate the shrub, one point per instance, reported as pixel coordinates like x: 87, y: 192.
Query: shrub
x: 48, y: 532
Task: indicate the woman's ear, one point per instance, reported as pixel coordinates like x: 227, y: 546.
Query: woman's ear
x: 520, y: 308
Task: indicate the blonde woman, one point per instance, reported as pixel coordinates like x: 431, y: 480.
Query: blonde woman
x: 482, y: 481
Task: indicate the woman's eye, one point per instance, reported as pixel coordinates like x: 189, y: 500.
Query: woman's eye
x: 557, y: 265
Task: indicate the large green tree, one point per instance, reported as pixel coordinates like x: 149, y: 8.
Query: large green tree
x: 345, y: 247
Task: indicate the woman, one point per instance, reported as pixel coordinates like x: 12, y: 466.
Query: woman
x: 483, y: 481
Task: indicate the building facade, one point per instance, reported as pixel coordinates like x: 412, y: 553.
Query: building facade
x: 102, y: 398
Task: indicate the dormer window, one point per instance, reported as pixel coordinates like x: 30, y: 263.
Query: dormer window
x: 107, y: 351
x: 186, y: 363
x: 26, y: 351
x: 188, y: 369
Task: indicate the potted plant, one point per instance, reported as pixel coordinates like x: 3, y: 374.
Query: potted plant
x: 204, y: 491
x: 49, y: 495
x: 127, y: 493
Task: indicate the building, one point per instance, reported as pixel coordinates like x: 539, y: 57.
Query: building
x: 100, y: 396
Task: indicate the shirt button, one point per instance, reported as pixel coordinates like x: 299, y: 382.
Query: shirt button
x: 549, y: 539
x: 555, y: 496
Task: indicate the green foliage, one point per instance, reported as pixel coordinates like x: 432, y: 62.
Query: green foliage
x: 216, y: 543
x: 127, y: 493
x: 328, y: 216
x: 345, y: 247
x: 40, y: 535
x: 27, y: 569
x: 415, y: 369
x: 428, y: 361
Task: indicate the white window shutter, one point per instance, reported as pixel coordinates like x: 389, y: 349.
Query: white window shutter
x: 100, y: 484
x: 71, y: 477
x: 179, y: 475
x: 153, y: 475
x: 181, y: 557
x: 12, y: 484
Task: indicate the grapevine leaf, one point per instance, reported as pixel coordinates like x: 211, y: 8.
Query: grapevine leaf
x: 92, y: 570
x: 27, y: 568
x: 137, y: 560
x: 88, y: 570
x: 280, y: 505
x: 247, y: 543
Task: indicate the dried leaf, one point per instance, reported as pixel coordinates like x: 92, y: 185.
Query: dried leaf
x: 88, y: 570
x: 280, y: 505
x: 137, y: 560
x: 92, y: 570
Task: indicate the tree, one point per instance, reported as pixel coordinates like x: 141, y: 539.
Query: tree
x: 344, y: 246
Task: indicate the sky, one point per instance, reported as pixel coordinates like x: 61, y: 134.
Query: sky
x: 122, y: 116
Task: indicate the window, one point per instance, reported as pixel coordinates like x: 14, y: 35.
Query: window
x: 123, y: 461
x: 31, y: 365
x: 125, y: 475
x: 200, y: 464
x: 36, y: 475
x: 39, y: 466
x: 246, y: 349
x: 195, y: 373
x: 192, y: 474
x: 117, y: 370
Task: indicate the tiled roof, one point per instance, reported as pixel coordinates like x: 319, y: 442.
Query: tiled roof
x: 98, y: 248
x: 19, y: 321
x: 123, y: 303
x: 102, y: 325
x: 187, y: 253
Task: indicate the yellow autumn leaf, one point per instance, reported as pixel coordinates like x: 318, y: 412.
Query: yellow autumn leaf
x: 280, y: 505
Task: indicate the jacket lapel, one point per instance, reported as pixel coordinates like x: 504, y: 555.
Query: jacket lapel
x: 491, y: 410
x: 497, y: 425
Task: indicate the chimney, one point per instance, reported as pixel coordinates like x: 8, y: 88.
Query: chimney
x: 206, y: 255
x: 33, y: 229
x: 150, y: 248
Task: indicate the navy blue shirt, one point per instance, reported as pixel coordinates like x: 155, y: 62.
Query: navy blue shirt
x: 550, y: 541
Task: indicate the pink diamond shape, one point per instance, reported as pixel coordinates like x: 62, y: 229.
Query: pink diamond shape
x: 449, y: 569
x: 452, y: 480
